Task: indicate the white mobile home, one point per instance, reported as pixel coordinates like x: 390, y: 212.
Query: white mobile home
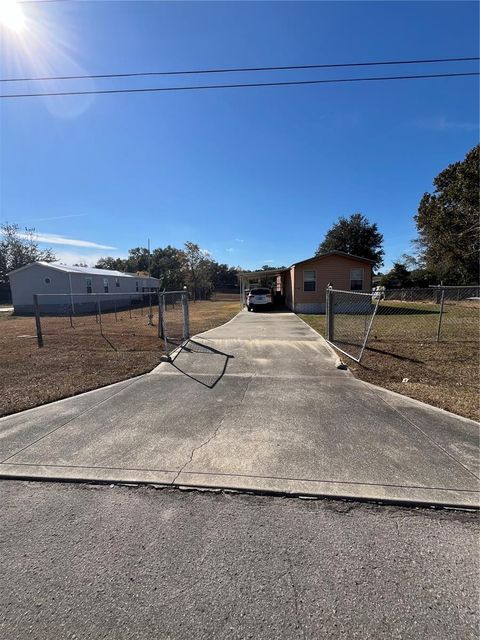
x: 79, y: 283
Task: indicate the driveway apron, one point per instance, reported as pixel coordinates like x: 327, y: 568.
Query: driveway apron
x: 259, y: 405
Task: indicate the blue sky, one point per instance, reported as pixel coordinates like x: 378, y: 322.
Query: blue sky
x: 254, y: 175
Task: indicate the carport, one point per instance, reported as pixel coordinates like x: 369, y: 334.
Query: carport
x: 272, y: 278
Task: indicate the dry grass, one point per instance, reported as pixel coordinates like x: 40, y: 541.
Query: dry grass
x: 79, y: 359
x: 402, y: 345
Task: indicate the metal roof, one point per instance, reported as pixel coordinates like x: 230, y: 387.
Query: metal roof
x: 86, y: 270
x: 265, y: 272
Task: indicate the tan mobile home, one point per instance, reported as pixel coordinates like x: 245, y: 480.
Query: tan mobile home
x: 303, y: 285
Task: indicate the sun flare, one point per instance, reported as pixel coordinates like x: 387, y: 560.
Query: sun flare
x: 11, y: 15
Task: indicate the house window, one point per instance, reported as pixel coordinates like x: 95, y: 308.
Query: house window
x: 309, y: 280
x: 105, y: 285
x: 47, y: 281
x: 117, y: 282
x: 88, y: 284
x: 136, y: 285
x: 356, y: 279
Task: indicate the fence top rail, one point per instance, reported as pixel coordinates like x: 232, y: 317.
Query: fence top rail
x: 357, y: 293
x: 92, y: 295
x: 164, y: 293
x: 453, y: 286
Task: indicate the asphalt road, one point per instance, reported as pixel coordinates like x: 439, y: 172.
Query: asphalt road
x: 84, y: 561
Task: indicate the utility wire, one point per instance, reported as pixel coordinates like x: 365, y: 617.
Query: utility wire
x: 242, y: 69
x: 239, y: 86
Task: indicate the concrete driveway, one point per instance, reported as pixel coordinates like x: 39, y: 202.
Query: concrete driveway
x: 256, y: 404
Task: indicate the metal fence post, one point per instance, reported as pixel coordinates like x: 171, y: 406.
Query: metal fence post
x: 330, y: 316
x: 37, y: 321
x: 186, y: 318
x: 327, y: 311
x: 439, y: 326
x: 160, y: 320
x: 100, y: 315
x: 150, y: 314
x: 164, y: 332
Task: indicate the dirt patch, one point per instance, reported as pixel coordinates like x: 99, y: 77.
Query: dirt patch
x: 444, y: 374
x: 79, y: 358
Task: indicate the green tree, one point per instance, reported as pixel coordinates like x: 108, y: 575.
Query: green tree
x: 19, y: 248
x: 398, y: 276
x: 138, y: 260
x: 419, y: 275
x: 355, y: 235
x: 168, y: 265
x: 223, y: 276
x: 448, y: 223
x: 114, y: 264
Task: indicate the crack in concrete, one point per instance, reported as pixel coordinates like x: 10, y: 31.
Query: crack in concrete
x: 203, y: 444
x: 215, y: 433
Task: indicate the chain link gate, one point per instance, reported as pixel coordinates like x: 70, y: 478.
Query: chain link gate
x: 349, y: 320
x: 173, y: 320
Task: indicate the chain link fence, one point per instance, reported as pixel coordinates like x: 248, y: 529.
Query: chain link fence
x: 440, y: 314
x: 126, y: 321
x: 228, y: 295
x: 435, y: 314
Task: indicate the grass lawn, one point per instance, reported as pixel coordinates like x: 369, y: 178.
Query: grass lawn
x: 402, y: 345
x: 79, y: 359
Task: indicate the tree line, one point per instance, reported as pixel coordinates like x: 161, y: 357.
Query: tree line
x: 190, y: 267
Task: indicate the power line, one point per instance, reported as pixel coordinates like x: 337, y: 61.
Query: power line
x: 240, y: 86
x: 242, y: 69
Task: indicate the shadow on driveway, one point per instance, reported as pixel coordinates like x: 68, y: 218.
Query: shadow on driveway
x: 199, y: 351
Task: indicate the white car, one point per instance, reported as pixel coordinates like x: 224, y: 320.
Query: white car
x: 378, y: 293
x: 259, y: 299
